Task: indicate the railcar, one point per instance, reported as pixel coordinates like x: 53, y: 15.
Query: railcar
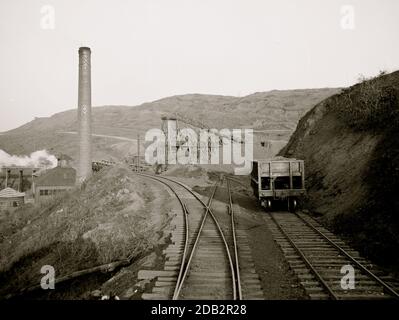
x: 278, y: 180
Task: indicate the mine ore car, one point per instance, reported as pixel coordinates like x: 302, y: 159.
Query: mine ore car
x: 279, y: 179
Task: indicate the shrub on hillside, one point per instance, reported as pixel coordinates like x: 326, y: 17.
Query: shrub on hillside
x: 369, y: 105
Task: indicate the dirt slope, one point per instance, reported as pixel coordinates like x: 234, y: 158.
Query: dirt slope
x: 351, y: 152
x: 114, y: 217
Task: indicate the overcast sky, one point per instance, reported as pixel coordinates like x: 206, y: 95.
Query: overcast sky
x: 144, y: 50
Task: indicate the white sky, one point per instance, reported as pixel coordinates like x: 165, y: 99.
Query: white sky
x: 146, y: 50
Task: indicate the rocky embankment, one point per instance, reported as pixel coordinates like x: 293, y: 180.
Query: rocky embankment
x: 351, y: 150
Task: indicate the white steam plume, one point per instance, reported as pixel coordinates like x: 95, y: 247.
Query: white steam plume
x: 38, y: 159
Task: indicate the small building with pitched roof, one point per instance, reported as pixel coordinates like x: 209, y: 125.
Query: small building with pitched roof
x: 57, y: 180
x: 11, y: 199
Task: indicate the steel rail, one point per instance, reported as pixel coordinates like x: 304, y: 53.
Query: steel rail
x: 185, y: 212
x: 187, y: 265
x: 237, y: 265
x: 237, y: 181
x: 183, y: 259
x: 207, y: 210
x: 228, y: 176
x: 343, y: 251
x: 308, y: 263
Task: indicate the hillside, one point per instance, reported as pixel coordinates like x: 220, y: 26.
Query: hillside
x: 268, y: 110
x: 350, y: 147
x: 115, y: 216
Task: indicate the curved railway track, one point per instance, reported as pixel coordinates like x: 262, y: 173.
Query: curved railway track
x: 207, y: 257
x: 211, y: 258
x: 317, y: 256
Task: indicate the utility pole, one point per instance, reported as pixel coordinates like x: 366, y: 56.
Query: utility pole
x: 138, y: 153
x: 7, y: 177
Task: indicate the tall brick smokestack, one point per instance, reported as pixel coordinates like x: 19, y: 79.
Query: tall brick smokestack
x: 84, y: 114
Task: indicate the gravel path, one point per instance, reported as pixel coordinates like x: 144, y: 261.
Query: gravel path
x: 278, y: 281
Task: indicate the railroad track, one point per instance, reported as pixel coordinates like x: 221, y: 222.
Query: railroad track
x: 230, y: 177
x: 208, y: 258
x: 317, y: 256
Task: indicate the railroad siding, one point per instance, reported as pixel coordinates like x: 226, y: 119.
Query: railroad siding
x: 327, y: 260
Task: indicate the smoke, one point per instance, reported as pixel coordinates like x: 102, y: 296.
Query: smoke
x: 38, y: 159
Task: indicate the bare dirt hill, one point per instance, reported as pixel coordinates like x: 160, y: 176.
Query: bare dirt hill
x: 270, y: 110
x: 351, y: 151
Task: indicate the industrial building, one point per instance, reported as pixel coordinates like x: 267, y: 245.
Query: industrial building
x: 57, y: 180
x: 16, y: 177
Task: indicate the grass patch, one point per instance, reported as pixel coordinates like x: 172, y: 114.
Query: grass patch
x: 371, y: 104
